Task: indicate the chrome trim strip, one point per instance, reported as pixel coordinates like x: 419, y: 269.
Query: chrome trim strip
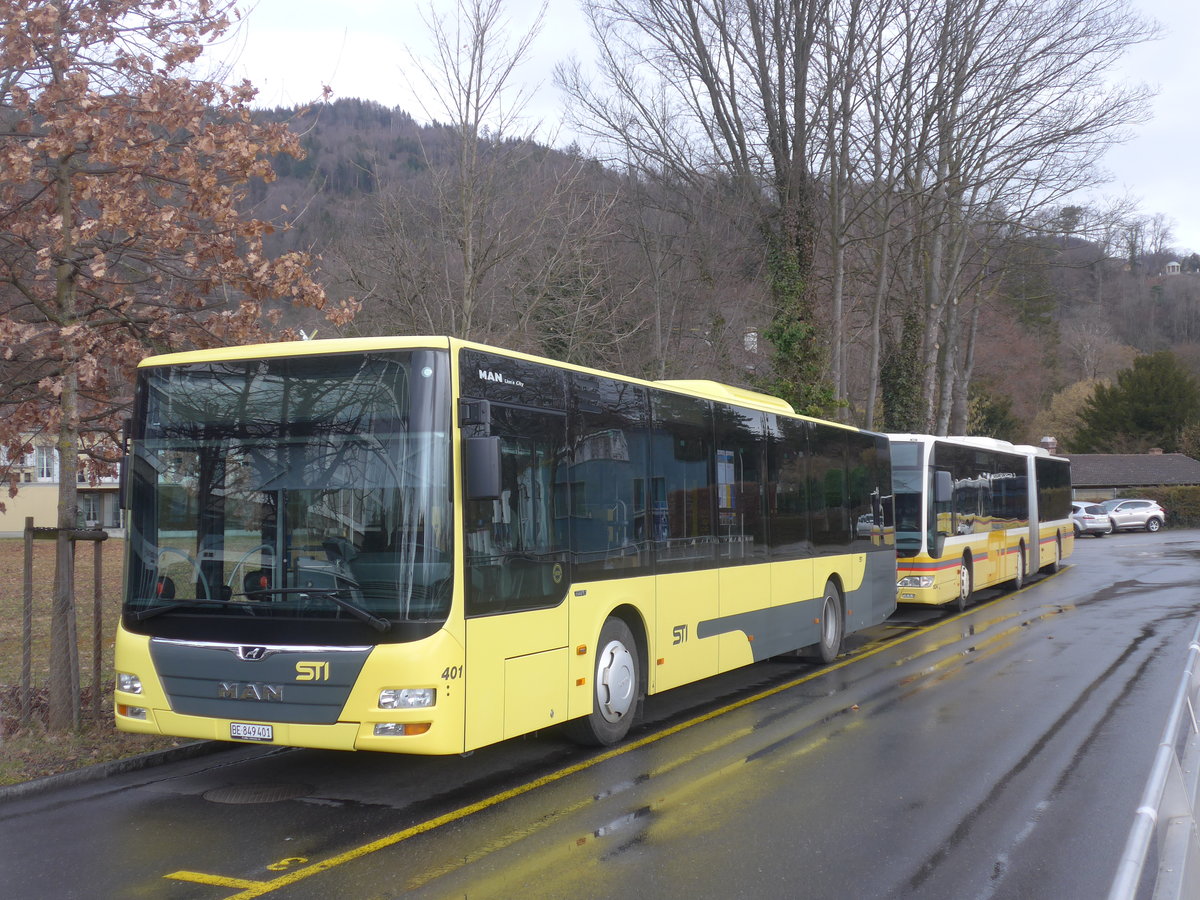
x: 270, y: 648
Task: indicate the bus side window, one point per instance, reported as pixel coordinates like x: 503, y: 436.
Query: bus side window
x: 516, y: 547
x: 608, y: 475
x: 683, y: 459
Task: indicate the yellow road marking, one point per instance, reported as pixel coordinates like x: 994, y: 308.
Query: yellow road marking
x: 251, y: 889
x: 218, y: 880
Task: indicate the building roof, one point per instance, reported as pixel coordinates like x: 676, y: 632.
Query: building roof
x: 1133, y: 469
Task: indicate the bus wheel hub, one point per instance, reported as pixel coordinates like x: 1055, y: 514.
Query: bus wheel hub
x: 615, y: 681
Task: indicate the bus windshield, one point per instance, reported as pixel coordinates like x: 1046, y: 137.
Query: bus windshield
x: 307, y: 489
x: 908, y: 480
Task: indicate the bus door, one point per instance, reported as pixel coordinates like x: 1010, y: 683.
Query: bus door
x: 516, y: 581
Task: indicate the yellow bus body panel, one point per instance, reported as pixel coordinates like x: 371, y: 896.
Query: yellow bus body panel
x: 527, y: 647
x: 436, y: 661
x: 742, y: 589
x: 791, y: 581
x: 592, y: 603
x: 678, y: 654
x: 1052, y: 535
x: 994, y: 561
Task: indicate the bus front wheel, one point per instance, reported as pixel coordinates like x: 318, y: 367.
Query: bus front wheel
x: 965, y: 584
x: 1055, y: 564
x: 1018, y: 581
x: 616, y: 678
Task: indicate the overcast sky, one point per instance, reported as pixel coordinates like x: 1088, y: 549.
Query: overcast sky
x: 290, y: 48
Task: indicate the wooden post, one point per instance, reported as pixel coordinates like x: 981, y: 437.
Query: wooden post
x: 97, y: 642
x: 27, y: 627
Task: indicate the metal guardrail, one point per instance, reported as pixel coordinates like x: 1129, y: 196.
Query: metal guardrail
x: 1167, y: 811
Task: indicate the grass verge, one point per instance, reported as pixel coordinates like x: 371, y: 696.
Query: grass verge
x: 27, y: 749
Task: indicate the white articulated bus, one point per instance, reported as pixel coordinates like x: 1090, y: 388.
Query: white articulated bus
x: 975, y: 512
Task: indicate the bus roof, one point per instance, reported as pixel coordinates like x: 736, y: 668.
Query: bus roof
x: 984, y: 443
x: 294, y: 348
x: 710, y: 390
x: 728, y: 393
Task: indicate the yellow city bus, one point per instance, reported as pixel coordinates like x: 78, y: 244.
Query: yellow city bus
x: 425, y: 545
x: 975, y: 512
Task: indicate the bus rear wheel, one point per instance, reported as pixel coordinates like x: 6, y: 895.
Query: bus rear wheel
x: 833, y: 627
x: 616, y: 680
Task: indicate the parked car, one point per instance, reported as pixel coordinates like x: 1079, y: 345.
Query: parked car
x: 1090, y: 518
x: 1127, y: 515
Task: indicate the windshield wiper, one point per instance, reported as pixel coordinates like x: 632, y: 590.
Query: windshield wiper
x: 330, y: 594
x: 170, y: 605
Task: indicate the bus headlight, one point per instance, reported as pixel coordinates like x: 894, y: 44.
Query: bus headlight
x: 407, y: 698
x: 397, y: 729
x: 916, y: 581
x: 130, y: 684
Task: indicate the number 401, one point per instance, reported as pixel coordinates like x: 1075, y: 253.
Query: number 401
x: 452, y: 672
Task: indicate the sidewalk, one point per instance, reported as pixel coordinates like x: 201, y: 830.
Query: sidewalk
x: 100, y: 771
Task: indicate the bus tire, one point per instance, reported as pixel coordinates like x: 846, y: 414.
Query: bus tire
x: 1018, y: 580
x: 616, y: 680
x: 833, y: 627
x: 966, y: 584
x: 1056, y: 564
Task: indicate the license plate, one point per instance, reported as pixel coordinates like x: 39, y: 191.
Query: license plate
x: 245, y: 731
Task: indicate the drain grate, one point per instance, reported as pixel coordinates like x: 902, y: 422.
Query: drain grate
x: 257, y: 793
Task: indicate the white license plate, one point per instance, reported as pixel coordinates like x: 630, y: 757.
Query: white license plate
x: 245, y: 731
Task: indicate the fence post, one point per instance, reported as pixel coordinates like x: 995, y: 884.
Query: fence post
x: 97, y: 618
x: 27, y: 628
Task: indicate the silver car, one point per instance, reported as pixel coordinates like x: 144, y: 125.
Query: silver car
x: 1127, y: 515
x: 1090, y: 518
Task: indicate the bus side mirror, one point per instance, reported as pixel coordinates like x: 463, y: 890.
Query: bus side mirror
x: 481, y: 468
x: 123, y: 466
x: 123, y: 482
x: 474, y: 412
x: 943, y: 486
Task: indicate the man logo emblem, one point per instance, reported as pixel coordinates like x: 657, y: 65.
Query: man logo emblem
x: 252, y: 654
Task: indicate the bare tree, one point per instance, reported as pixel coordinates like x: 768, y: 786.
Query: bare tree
x: 121, y: 184
x: 696, y: 89
x: 502, y: 239
x: 1019, y: 114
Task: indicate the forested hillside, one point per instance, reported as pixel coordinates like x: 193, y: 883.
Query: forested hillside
x: 663, y: 278
x: 867, y: 207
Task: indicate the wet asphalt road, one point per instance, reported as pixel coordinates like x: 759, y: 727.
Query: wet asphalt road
x: 997, y: 754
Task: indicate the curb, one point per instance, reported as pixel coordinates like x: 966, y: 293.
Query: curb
x: 100, y: 771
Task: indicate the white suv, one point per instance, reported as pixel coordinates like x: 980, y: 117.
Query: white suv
x: 1090, y: 518
x: 1130, y: 514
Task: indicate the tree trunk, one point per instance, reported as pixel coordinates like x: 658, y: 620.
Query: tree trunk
x: 881, y: 279
x: 961, y: 412
x: 64, y: 644
x: 64, y: 647
x: 948, y: 362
